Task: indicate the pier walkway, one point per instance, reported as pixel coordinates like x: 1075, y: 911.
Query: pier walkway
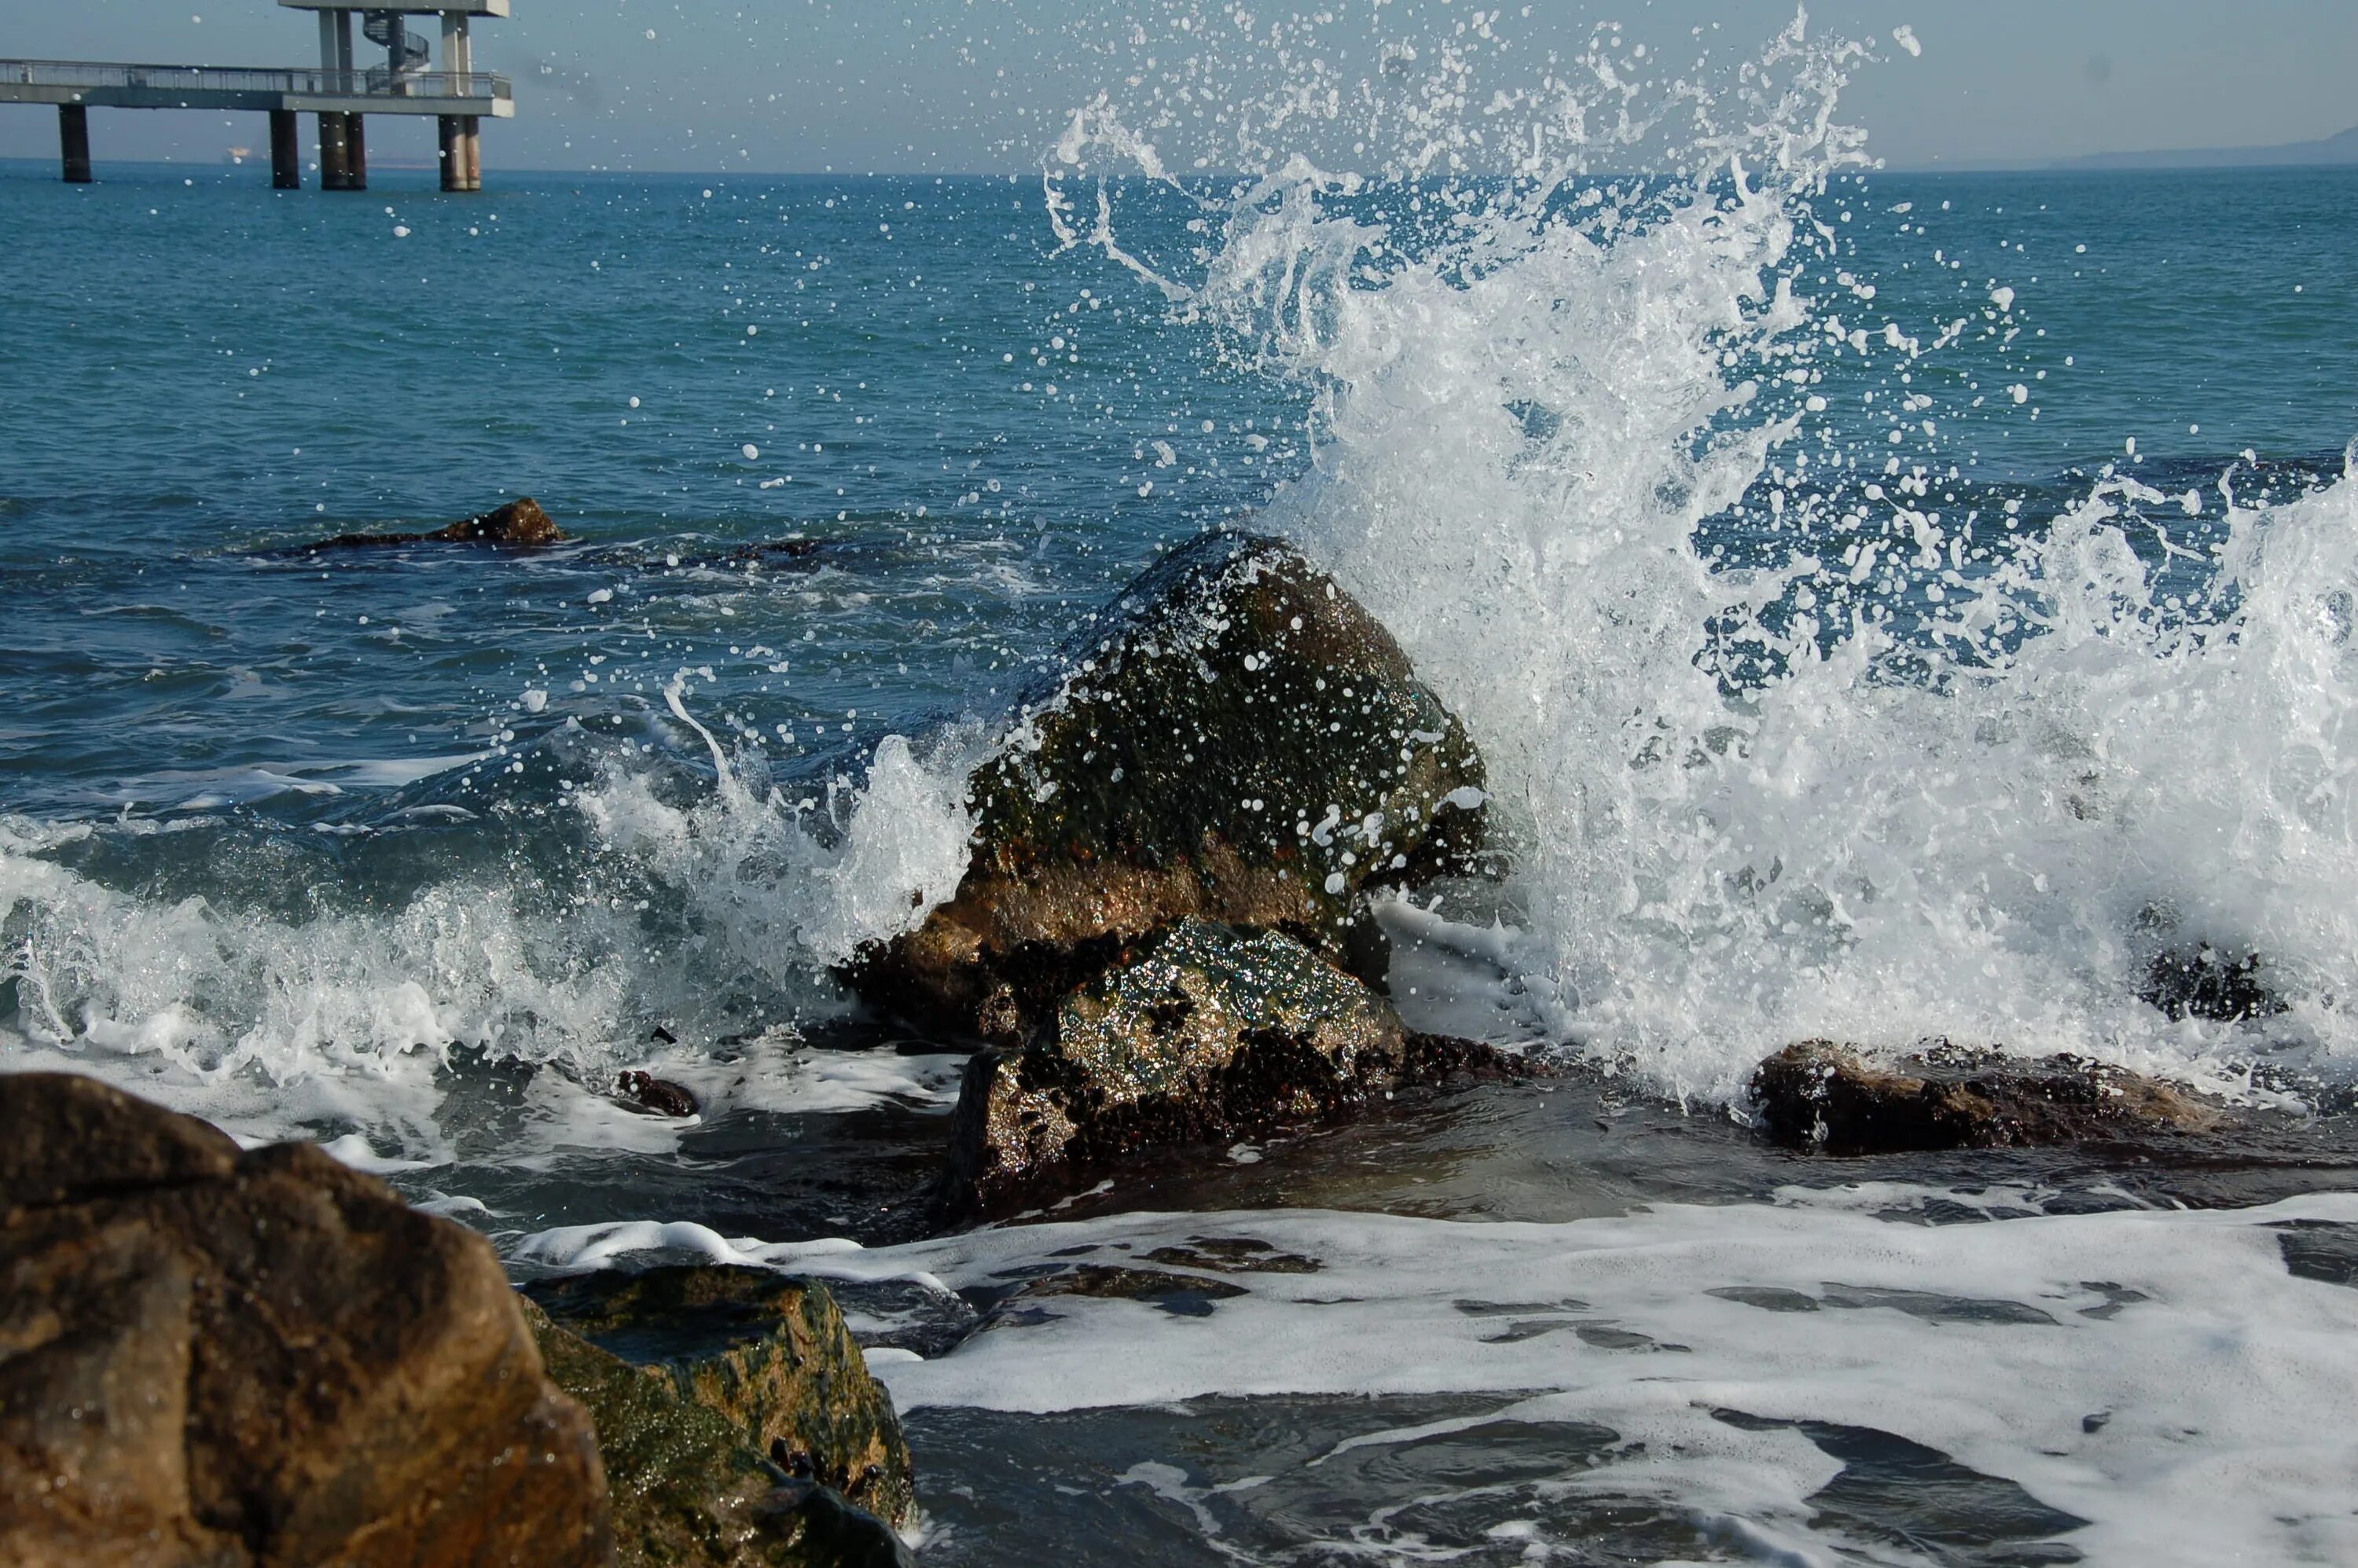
x: 459, y: 96
x: 98, y: 85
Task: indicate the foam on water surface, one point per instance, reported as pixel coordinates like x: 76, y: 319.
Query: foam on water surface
x: 2163, y: 1376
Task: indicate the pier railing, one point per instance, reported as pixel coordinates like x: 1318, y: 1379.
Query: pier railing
x: 89, y: 75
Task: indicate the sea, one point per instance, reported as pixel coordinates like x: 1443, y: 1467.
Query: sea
x: 1894, y: 607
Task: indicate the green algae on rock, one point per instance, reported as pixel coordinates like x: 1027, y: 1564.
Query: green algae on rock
x: 1236, y: 740
x: 771, y: 1353
x: 690, y: 1489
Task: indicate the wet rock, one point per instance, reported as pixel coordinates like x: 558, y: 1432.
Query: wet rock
x: 518, y: 524
x: 1825, y: 1098
x: 828, y: 1532
x: 1015, y: 1301
x: 768, y: 1352
x: 1235, y: 740
x: 658, y: 1095
x: 690, y: 1489
x: 1198, y: 1032
x: 225, y: 1357
x: 2202, y: 982
x: 768, y: 551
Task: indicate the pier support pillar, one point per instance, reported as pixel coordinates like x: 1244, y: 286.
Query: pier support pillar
x: 285, y: 151
x: 343, y: 154
x: 74, y: 142
x: 462, y: 152
x: 335, y: 159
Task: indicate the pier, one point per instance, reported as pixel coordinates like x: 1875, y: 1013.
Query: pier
x: 342, y: 90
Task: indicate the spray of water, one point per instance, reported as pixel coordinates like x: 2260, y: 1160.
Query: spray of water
x: 1874, y: 755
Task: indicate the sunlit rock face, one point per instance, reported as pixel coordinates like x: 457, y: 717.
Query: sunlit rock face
x: 1234, y: 740
x: 219, y: 1356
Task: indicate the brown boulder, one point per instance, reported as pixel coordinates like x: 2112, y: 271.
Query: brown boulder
x: 518, y: 524
x: 1235, y: 740
x: 1821, y: 1097
x: 216, y: 1357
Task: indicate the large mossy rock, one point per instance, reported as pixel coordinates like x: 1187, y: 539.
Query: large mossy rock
x: 1821, y: 1097
x: 771, y: 1353
x: 690, y: 1489
x: 211, y: 1356
x: 1196, y: 1033
x: 1234, y: 740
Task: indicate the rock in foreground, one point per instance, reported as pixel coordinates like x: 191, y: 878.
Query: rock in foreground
x: 1235, y: 741
x: 770, y: 1354
x: 221, y: 1358
x: 518, y: 524
x: 1198, y: 1033
x: 1821, y: 1097
x: 690, y: 1489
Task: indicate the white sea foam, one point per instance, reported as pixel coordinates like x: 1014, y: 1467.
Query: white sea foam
x: 270, y: 1022
x: 1984, y: 828
x: 2157, y: 1373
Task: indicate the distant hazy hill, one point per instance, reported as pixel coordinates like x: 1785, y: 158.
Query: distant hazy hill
x: 2341, y: 149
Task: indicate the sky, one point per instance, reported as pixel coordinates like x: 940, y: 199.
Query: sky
x: 770, y: 86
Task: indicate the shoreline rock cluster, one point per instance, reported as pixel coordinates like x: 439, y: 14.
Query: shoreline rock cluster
x: 1164, y: 935
x: 1164, y: 940
x: 223, y: 1357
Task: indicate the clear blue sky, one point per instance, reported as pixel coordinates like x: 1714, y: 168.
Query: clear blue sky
x: 983, y: 84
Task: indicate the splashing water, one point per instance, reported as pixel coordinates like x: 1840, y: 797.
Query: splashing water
x: 1800, y: 720
x: 716, y: 913
x: 1800, y: 729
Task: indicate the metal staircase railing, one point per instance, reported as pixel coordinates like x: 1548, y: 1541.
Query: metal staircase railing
x: 407, y: 51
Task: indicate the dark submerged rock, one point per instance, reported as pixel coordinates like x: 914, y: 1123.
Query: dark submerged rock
x: 2202, y: 982
x: 521, y: 523
x: 690, y: 1489
x: 225, y: 1357
x: 1199, y: 1033
x: 768, y: 1352
x: 1235, y: 740
x: 1821, y: 1097
x: 658, y: 1095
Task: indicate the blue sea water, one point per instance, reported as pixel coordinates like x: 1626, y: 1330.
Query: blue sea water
x: 316, y: 842
x: 202, y: 371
